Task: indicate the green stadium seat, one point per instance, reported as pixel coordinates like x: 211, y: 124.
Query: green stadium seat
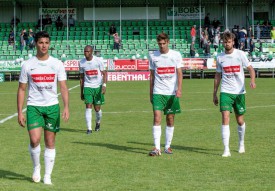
x: 77, y: 28
x: 98, y: 47
x: 60, y: 33
x: 100, y: 42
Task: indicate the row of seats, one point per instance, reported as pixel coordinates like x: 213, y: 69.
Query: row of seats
x: 117, y: 23
x: 108, y: 38
x: 76, y: 51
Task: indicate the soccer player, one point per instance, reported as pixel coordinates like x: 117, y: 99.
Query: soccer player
x: 93, y: 79
x: 41, y: 74
x: 165, y: 90
x: 230, y: 72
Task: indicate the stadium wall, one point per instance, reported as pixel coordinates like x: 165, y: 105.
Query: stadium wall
x: 237, y: 14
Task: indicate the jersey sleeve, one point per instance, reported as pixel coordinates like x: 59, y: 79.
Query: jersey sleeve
x: 218, y: 65
x: 179, y: 61
x: 151, y: 63
x: 101, y: 65
x: 23, y: 78
x: 81, y: 71
x: 244, y: 59
x: 61, y: 75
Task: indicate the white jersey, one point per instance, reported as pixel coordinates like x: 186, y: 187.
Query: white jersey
x: 232, y: 68
x: 165, y: 69
x: 42, y: 77
x: 92, y: 72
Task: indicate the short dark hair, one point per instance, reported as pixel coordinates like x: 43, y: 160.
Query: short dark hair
x: 162, y: 36
x: 41, y: 34
x: 89, y: 46
x: 228, y: 35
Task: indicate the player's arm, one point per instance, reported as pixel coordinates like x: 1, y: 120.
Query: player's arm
x: 252, y: 76
x: 20, y: 102
x: 217, y: 81
x: 104, y: 76
x: 65, y: 97
x: 81, y: 86
x: 152, y: 79
x: 179, y: 89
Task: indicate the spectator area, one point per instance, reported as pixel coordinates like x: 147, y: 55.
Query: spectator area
x: 137, y: 39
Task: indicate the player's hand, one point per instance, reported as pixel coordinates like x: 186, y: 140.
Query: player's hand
x: 66, y: 114
x: 215, y: 100
x: 103, y: 90
x: 21, y: 120
x: 252, y: 85
x: 178, y: 93
x: 82, y: 97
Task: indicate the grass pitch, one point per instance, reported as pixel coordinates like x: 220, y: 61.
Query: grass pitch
x: 116, y: 158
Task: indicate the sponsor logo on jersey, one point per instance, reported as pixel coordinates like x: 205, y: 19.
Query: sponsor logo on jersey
x: 166, y: 77
x: 231, y: 69
x: 41, y: 88
x: 92, y: 72
x: 166, y: 70
x: 33, y: 69
x: 43, y: 78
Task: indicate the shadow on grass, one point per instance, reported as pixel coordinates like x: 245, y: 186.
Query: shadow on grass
x: 73, y: 130
x: 13, y: 176
x: 115, y: 147
x: 185, y: 148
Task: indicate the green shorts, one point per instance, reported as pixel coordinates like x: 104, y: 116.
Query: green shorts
x: 169, y: 104
x: 235, y: 101
x: 47, y: 117
x: 93, y: 96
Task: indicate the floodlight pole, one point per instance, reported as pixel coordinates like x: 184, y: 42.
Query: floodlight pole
x: 120, y: 22
x: 67, y: 23
x: 252, y: 16
x: 147, y: 25
x: 93, y: 24
x: 200, y: 19
x: 226, y: 22
x: 14, y: 25
x: 173, y: 25
x: 40, y: 15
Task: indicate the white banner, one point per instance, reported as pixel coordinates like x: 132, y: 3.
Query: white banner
x: 55, y: 12
x: 211, y: 64
x: 265, y: 64
x: 185, y: 13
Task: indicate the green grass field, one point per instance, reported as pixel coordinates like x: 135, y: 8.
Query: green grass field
x: 116, y: 158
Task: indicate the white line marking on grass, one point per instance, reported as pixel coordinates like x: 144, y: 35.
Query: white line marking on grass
x: 16, y: 114
x: 184, y: 110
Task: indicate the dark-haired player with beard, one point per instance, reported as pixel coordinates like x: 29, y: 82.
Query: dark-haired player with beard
x: 230, y: 72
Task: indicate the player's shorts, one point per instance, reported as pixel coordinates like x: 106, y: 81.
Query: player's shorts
x: 235, y: 101
x: 93, y: 96
x: 47, y: 117
x: 169, y: 104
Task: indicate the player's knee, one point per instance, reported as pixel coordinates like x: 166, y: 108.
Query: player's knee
x: 35, y: 142
x: 240, y: 122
